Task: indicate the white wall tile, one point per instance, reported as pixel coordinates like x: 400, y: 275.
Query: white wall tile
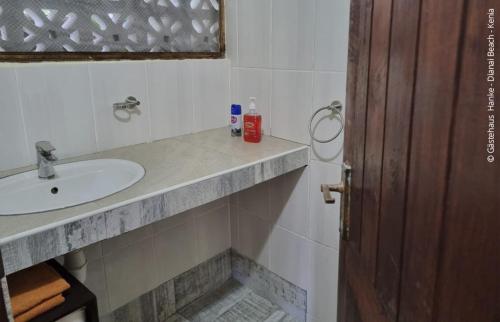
x: 255, y: 83
x: 235, y: 98
x: 232, y: 31
x: 255, y: 200
x: 291, y: 105
x: 111, y: 83
x: 254, y: 33
x: 289, y: 200
x: 324, y: 218
x: 130, y: 272
x: 217, y: 203
x: 213, y: 232
x: 233, y: 219
x: 328, y: 87
x: 173, y: 221
x: 312, y: 318
x: 57, y: 106
x: 171, y: 98
x: 322, y: 291
x: 254, y: 237
x: 114, y: 244
x: 332, y: 33
x: 96, y: 282
x: 293, y: 34
x: 175, y: 250
x: 289, y: 256
x: 211, y: 93
x: 93, y: 251
x: 12, y: 131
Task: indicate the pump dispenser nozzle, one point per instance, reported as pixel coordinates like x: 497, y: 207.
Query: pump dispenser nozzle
x: 252, y: 123
x: 252, y: 106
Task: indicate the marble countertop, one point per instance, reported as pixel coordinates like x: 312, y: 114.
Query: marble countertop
x: 181, y: 173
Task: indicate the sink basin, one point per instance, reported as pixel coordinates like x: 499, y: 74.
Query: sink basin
x: 75, y: 183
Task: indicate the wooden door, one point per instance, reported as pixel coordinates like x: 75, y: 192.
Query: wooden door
x: 424, y: 239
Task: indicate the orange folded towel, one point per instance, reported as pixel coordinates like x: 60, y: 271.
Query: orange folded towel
x: 40, y: 309
x: 32, y: 286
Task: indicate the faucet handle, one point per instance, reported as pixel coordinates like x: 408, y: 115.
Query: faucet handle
x: 44, y: 147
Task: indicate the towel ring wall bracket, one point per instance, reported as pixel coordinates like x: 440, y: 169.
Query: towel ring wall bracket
x: 336, y: 110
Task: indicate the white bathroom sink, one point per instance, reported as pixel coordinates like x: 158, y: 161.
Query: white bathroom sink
x: 74, y: 184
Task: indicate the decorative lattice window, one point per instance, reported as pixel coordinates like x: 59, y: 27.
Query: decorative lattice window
x: 110, y: 29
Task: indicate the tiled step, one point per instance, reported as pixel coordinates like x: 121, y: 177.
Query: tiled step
x: 232, y: 302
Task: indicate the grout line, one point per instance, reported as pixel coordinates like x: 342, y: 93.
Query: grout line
x: 271, y: 47
x: 185, y: 221
x: 307, y: 238
x: 106, y: 284
x: 308, y: 203
x: 148, y: 97
x: 326, y: 71
x: 194, y: 100
x: 237, y: 217
x: 237, y: 33
x: 337, y: 163
x: 315, y: 33
x: 271, y: 95
x: 210, y: 209
x: 227, y: 204
x: 196, y: 227
x: 157, y: 269
x: 23, y: 118
x: 94, y: 107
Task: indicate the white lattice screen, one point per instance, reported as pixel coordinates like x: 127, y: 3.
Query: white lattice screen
x: 109, y: 25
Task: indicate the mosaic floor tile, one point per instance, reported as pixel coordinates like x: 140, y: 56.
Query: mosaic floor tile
x: 233, y: 303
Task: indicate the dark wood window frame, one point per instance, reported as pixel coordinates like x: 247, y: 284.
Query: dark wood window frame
x: 28, y: 57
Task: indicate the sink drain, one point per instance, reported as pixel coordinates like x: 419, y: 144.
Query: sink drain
x: 54, y: 190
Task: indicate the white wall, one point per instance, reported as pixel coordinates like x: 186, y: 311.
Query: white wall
x: 292, y: 55
x: 70, y: 104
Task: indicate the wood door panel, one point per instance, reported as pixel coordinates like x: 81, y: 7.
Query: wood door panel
x: 366, y: 298
x: 403, y: 51
x: 468, y: 288
x: 352, y: 309
x: 377, y: 93
x: 359, y: 51
x: 425, y: 206
x: 435, y: 88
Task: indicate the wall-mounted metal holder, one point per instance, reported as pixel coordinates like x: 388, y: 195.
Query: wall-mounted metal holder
x: 336, y: 110
x: 344, y: 188
x: 130, y: 103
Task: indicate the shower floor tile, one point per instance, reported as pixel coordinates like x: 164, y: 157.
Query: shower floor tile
x: 232, y: 302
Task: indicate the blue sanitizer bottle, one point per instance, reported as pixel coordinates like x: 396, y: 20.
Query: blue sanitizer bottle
x: 235, y: 120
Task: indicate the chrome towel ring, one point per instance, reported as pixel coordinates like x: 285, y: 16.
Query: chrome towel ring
x: 336, y: 109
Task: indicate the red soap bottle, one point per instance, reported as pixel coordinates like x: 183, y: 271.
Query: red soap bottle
x: 252, y: 123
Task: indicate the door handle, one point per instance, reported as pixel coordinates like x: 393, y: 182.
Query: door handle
x: 344, y: 188
x: 327, y: 188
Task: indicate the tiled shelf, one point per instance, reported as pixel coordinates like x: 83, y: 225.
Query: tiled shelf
x: 181, y: 173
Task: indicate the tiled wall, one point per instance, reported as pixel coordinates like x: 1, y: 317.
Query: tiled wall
x: 292, y: 55
x: 125, y: 267
x: 70, y: 104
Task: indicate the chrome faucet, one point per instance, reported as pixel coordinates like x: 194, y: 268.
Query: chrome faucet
x: 45, y: 159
